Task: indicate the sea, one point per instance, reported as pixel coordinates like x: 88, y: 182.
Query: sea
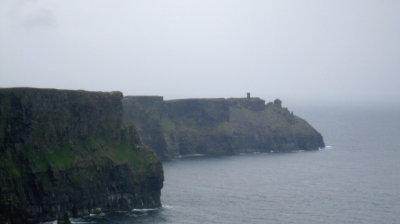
x: 354, y: 179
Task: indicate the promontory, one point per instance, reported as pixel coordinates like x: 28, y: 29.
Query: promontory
x: 70, y: 153
x: 218, y: 126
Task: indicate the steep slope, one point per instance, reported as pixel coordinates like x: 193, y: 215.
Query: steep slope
x: 218, y: 126
x: 71, y: 152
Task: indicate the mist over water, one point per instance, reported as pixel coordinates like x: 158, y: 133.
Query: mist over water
x: 355, y: 180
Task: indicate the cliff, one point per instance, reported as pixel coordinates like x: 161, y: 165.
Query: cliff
x: 71, y: 153
x: 218, y: 126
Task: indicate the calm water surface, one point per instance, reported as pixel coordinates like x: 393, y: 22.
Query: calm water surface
x: 357, y: 180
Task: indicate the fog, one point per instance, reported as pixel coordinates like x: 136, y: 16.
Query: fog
x: 302, y: 51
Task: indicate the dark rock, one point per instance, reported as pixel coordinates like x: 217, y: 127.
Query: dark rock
x: 71, y: 153
x: 64, y: 219
x: 218, y: 126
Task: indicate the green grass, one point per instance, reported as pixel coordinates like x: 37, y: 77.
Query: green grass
x: 167, y: 125
x: 137, y: 158
x: 7, y: 165
x: 85, y: 152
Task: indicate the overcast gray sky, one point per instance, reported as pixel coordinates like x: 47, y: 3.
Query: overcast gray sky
x: 302, y: 51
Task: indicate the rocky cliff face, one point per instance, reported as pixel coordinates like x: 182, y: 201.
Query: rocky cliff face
x: 218, y: 126
x: 71, y: 152
x: 148, y: 112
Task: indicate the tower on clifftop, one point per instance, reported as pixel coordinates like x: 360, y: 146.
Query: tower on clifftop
x: 248, y: 95
x: 278, y: 102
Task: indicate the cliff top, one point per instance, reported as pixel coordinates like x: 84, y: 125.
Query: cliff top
x: 24, y: 89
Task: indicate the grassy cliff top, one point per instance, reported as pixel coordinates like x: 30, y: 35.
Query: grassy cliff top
x: 62, y: 129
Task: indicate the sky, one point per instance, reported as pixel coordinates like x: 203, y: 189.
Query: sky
x: 337, y: 52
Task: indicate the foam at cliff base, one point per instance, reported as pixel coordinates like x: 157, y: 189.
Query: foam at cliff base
x: 79, y: 221
x: 72, y: 220
x: 191, y: 155
x: 167, y: 206
x: 97, y: 214
x: 326, y: 147
x: 137, y: 212
x: 50, y: 222
x: 144, y: 209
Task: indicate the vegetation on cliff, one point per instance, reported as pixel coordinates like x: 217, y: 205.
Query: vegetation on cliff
x: 71, y: 153
x: 218, y: 126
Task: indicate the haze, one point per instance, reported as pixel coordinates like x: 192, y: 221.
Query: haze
x: 311, y: 52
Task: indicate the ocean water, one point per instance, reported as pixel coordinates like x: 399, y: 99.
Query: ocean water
x: 356, y: 179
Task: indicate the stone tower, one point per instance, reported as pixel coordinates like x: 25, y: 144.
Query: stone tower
x: 248, y: 95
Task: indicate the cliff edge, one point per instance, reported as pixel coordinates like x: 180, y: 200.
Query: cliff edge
x: 218, y: 126
x: 72, y: 153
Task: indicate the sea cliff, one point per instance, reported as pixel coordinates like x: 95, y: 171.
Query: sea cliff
x: 72, y: 153
x: 218, y: 126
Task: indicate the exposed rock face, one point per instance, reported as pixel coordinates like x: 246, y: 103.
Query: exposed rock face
x: 148, y: 112
x: 71, y: 153
x: 218, y: 126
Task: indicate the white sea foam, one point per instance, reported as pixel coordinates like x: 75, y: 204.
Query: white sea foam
x: 50, y: 222
x: 194, y: 155
x: 144, y: 209
x: 326, y: 147
x: 97, y: 214
x: 79, y: 221
x: 190, y: 155
x: 137, y: 212
x: 167, y: 206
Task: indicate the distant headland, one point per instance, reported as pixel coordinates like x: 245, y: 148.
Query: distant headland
x: 218, y: 126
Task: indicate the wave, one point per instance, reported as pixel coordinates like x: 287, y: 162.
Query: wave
x: 137, y: 212
x: 97, y: 214
x: 326, y: 147
x: 50, y: 222
x: 167, y: 207
x: 144, y: 209
x: 191, y: 155
x: 79, y: 221
x: 72, y: 220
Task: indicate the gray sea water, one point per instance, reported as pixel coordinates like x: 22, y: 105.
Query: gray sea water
x: 356, y: 179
